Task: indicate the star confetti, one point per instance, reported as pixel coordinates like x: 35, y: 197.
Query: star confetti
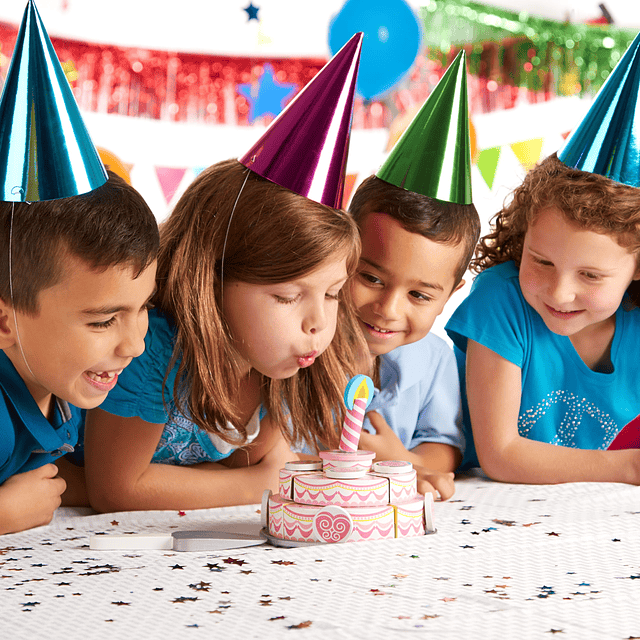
x: 252, y: 12
x: 234, y: 561
x: 302, y: 625
x: 282, y: 562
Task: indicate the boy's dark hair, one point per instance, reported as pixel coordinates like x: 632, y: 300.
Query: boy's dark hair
x: 111, y: 225
x: 438, y: 220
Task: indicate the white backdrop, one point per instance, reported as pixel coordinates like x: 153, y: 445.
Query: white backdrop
x: 286, y: 27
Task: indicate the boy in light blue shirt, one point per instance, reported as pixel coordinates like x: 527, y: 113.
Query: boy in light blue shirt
x: 419, y: 229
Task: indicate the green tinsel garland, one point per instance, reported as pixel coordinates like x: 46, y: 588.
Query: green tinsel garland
x: 524, y: 50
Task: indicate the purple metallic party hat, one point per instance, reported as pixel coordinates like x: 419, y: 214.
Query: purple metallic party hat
x: 607, y: 141
x: 433, y: 156
x: 45, y: 149
x: 305, y: 148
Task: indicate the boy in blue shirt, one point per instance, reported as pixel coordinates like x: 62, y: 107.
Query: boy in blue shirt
x: 78, y: 252
x: 419, y: 229
x: 73, y: 314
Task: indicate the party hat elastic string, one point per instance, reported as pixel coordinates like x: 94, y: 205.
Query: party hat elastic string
x: 226, y: 236
x: 13, y: 306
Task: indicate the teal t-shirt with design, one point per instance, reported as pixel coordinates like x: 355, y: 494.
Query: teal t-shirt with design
x: 563, y: 401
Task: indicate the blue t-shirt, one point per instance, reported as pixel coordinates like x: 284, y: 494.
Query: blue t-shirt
x: 27, y: 439
x: 419, y: 394
x: 139, y: 393
x: 563, y: 401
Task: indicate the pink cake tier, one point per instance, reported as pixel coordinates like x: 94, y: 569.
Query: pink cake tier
x: 312, y: 523
x: 312, y: 487
x: 346, y: 464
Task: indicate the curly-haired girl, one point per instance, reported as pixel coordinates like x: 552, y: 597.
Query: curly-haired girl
x: 550, y: 331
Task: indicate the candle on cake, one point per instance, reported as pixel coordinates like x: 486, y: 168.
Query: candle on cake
x: 347, y: 461
x: 357, y: 397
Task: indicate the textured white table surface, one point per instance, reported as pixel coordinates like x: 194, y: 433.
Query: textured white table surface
x: 508, y: 561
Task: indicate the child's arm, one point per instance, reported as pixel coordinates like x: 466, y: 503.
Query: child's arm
x: 75, y: 495
x: 387, y: 446
x: 121, y: 477
x: 29, y: 499
x: 494, y: 393
x: 434, y: 461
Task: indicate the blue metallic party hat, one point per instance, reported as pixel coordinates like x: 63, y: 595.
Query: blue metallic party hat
x: 607, y: 141
x: 45, y: 149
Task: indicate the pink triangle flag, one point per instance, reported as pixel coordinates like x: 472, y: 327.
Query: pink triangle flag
x: 170, y: 179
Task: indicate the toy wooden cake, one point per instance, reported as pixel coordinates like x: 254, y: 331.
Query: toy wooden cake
x: 342, y: 497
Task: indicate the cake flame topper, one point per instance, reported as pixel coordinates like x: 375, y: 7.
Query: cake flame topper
x: 357, y: 397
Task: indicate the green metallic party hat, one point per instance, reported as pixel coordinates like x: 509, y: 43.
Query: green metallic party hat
x: 45, y: 150
x: 433, y: 156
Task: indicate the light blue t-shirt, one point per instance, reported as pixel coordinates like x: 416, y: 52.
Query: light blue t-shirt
x: 419, y: 394
x: 139, y: 393
x: 563, y: 401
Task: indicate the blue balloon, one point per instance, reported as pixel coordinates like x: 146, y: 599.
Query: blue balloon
x: 392, y: 39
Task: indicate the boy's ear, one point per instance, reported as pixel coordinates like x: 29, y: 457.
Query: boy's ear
x: 7, y: 337
x: 458, y: 286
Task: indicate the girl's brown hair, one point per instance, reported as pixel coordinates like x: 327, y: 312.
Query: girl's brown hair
x: 233, y: 224
x: 588, y: 200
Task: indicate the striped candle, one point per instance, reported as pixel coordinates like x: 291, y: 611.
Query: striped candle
x: 352, y: 425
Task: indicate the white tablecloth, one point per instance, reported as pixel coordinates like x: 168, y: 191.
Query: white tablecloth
x: 508, y: 561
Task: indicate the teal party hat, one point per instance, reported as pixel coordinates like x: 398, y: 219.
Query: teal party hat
x: 45, y: 149
x: 607, y: 141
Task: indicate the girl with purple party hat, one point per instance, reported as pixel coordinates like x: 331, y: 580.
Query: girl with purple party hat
x: 251, y: 337
x: 548, y: 336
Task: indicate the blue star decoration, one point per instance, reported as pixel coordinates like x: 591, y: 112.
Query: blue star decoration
x: 268, y: 96
x: 252, y: 12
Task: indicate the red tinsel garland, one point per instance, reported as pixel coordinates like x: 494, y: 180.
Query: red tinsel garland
x: 202, y: 88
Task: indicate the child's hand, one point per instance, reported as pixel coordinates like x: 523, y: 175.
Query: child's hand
x: 384, y: 442
x: 29, y: 499
x: 435, y: 482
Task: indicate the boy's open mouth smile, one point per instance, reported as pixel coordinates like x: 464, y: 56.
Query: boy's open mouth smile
x: 104, y: 380
x: 379, y: 331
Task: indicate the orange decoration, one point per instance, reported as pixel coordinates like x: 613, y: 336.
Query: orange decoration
x: 112, y: 162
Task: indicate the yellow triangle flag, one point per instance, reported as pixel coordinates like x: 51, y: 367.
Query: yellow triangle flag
x: 528, y: 152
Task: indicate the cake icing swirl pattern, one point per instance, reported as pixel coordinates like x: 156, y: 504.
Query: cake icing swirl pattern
x: 332, y: 524
x: 317, y: 489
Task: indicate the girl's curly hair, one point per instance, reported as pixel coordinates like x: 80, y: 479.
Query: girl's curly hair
x: 588, y: 200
